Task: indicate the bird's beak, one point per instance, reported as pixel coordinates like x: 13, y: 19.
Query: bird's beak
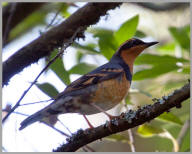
x: 151, y: 43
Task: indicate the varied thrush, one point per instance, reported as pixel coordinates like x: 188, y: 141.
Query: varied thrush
x: 98, y: 90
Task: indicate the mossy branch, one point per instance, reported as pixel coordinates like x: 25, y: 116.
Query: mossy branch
x: 127, y: 120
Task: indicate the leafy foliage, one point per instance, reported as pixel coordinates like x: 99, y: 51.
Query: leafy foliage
x: 170, y: 117
x: 49, y: 89
x: 58, y: 68
x: 82, y: 68
x: 88, y: 49
x: 181, y: 35
x: 152, y: 59
x: 127, y: 30
x: 149, y: 131
x: 155, y: 71
x: 37, y: 18
x: 107, y: 42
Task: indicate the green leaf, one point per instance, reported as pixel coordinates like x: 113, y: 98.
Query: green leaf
x: 64, y: 10
x: 48, y: 89
x: 107, y: 43
x: 128, y: 100
x: 4, y: 4
x: 79, y: 56
x: 170, y: 117
x: 168, y: 135
x: 127, y: 30
x: 158, y: 60
x: 155, y: 71
x: 146, y: 130
x: 171, y: 85
x: 140, y: 34
x: 58, y: 67
x: 86, y: 49
x: 187, y: 29
x: 82, y: 68
x: 185, y: 145
x: 107, y: 47
x: 36, y: 18
x: 117, y: 137
x: 168, y: 48
x: 186, y: 70
x: 181, y: 36
x: 99, y: 32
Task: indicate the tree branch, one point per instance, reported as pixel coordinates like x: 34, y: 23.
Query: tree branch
x: 55, y: 37
x: 12, y: 18
x: 127, y: 120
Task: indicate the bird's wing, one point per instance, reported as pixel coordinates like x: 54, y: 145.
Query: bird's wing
x: 94, y: 77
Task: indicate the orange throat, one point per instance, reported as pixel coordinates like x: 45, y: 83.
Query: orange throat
x: 130, y: 55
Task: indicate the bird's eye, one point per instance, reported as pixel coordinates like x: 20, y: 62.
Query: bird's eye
x: 131, y: 43
x: 137, y: 42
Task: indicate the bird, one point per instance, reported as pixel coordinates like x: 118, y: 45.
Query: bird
x: 99, y: 90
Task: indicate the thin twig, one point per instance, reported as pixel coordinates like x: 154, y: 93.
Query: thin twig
x: 131, y: 140
x: 4, y: 150
x: 183, y: 132
x: 45, y: 101
x: 65, y: 45
x: 56, y: 14
x: 87, y: 148
x: 23, y: 114
x: 59, y: 131
x: 64, y: 126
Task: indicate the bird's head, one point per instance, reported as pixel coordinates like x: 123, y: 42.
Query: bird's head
x: 130, y: 49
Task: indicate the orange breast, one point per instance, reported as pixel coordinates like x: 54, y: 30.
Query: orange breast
x: 111, y: 92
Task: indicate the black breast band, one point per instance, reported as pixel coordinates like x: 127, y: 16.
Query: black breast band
x: 127, y: 70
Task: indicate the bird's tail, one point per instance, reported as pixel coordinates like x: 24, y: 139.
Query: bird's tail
x: 38, y: 116
x: 52, y: 109
x: 31, y: 119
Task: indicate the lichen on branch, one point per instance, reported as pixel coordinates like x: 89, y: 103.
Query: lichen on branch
x: 126, y: 120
